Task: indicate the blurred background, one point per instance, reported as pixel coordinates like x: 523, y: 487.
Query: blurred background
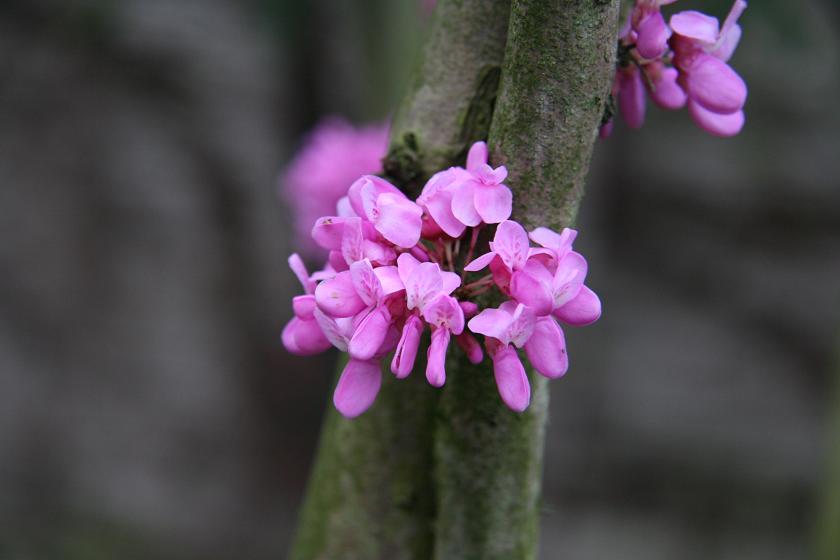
x: 147, y: 407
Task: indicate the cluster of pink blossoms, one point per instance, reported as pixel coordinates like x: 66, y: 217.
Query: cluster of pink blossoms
x: 680, y: 63
x: 332, y: 156
x: 391, y: 271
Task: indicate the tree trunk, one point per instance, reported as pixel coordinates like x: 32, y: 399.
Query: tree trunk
x: 455, y: 474
x: 556, y: 77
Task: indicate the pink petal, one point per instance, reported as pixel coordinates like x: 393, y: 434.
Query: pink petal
x: 304, y: 306
x: 370, y: 334
x: 406, y: 354
x: 470, y: 346
x: 337, y: 297
x: 480, y: 262
x: 450, y: 281
x: 568, y: 278
x: 389, y: 279
x: 352, y: 242
x: 440, y: 209
x: 299, y: 269
x: 378, y: 253
x: 727, y: 43
x: 631, y: 97
x: 406, y: 265
x: 343, y: 208
x: 304, y: 337
x: 463, y: 204
x: 422, y: 285
x: 665, y: 90
x: 493, y: 203
x: 337, y: 262
x: 714, y: 85
x: 653, y: 36
x: 521, y: 326
x: 730, y: 33
x: 490, y: 322
x: 499, y: 174
x: 288, y: 337
x: 373, y: 187
x: 533, y: 289
x: 389, y: 344
x: 400, y: 220
x: 366, y: 282
x: 606, y: 129
x: 546, y: 349
x: 328, y: 232
x: 470, y: 309
x: 714, y: 123
x: 444, y: 312
x: 511, y: 379
x: 582, y: 310
x: 501, y: 275
x: 337, y: 331
x: 357, y: 387
x: 511, y: 244
x: 477, y: 156
x: 695, y: 25
x: 436, y: 363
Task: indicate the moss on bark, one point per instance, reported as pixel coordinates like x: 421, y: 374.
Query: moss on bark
x: 450, y: 102
x: 555, y: 79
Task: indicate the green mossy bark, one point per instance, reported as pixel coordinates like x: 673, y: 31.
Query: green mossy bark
x: 369, y: 495
x: 556, y: 77
x: 455, y: 475
x: 450, y: 102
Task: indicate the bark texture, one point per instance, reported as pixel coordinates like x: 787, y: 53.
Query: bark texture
x: 450, y: 102
x: 457, y: 475
x: 555, y: 80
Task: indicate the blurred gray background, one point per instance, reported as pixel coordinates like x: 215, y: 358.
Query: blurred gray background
x: 147, y: 408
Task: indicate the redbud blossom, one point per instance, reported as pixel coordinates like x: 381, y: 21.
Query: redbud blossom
x: 395, y: 265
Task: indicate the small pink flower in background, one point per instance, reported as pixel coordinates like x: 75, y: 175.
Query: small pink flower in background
x: 680, y: 63
x: 332, y: 156
x: 392, y: 269
x: 716, y: 93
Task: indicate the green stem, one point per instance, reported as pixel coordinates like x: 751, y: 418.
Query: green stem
x: 555, y: 80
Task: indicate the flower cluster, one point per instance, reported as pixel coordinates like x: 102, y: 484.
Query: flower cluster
x: 332, y: 156
x: 683, y: 62
x: 391, y: 272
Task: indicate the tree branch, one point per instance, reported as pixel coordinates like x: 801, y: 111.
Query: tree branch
x: 556, y: 77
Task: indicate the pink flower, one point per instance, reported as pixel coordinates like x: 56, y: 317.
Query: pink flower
x: 331, y: 157
x: 436, y: 200
x: 631, y: 96
x: 651, y: 31
x: 510, y: 324
x: 510, y: 246
x: 392, y: 214
x: 716, y: 93
x: 301, y: 335
x: 360, y: 380
x: 481, y: 196
x: 427, y: 290
x: 446, y: 318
